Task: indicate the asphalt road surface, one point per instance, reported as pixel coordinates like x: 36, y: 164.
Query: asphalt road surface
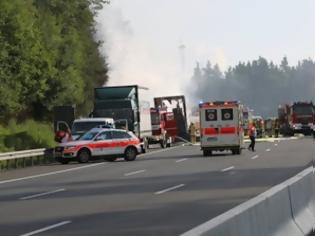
x: 161, y: 193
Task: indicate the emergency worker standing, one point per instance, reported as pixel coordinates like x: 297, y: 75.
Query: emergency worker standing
x: 252, y: 136
x: 192, y: 132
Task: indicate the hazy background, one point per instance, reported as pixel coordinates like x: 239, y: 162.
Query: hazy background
x: 157, y: 43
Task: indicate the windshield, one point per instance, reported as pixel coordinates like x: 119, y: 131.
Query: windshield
x: 84, y: 126
x: 155, y: 119
x: 88, y: 136
x: 303, y: 110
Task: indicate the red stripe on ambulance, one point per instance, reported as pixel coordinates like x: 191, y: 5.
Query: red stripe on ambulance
x: 210, y: 131
x: 228, y: 130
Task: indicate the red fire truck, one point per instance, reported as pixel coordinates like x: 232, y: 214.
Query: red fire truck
x: 164, y: 127
x: 296, y: 118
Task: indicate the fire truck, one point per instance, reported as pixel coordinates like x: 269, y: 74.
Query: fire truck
x: 221, y: 126
x: 248, y: 119
x: 296, y: 118
x: 164, y: 127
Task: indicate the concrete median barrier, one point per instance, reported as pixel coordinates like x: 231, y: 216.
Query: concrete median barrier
x: 302, y: 194
x: 284, y: 210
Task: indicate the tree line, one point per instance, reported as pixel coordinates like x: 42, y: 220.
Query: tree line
x: 259, y: 84
x: 48, y: 56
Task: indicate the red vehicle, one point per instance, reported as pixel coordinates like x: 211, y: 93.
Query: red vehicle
x: 164, y: 127
x: 296, y: 118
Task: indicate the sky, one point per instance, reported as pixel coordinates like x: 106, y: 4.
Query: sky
x: 156, y: 43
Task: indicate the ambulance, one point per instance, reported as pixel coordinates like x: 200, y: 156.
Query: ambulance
x: 221, y: 126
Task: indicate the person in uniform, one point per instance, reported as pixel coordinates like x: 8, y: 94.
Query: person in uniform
x: 192, y: 132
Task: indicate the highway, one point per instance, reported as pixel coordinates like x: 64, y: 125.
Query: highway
x: 165, y: 192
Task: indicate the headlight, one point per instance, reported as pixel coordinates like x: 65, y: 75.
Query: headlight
x: 69, y: 147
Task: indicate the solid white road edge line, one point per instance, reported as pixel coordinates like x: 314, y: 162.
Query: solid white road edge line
x: 43, y: 194
x: 254, y: 157
x: 50, y: 173
x: 227, y: 169
x: 47, y: 228
x: 181, y: 160
x: 169, y: 189
x: 134, y: 173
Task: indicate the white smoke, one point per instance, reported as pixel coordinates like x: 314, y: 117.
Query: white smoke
x: 134, y: 59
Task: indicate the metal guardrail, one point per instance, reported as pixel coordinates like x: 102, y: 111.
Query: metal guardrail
x: 22, y: 154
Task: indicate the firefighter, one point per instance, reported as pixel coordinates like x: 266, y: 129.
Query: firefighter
x: 192, y: 132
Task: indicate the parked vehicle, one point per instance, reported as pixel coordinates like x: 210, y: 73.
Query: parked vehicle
x: 164, y: 127
x: 260, y: 126
x: 82, y: 125
x: 296, y: 118
x: 221, y: 127
x: 100, y: 142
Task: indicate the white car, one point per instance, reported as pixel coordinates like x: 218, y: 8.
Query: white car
x: 100, y: 142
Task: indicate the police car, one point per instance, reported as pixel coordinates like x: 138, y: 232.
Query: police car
x: 100, y: 142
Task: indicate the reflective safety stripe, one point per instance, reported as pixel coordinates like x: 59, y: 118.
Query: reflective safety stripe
x: 228, y: 130
x: 111, y: 144
x: 217, y: 131
x: 210, y: 131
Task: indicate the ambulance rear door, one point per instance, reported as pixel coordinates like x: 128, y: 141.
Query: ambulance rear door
x: 220, y: 126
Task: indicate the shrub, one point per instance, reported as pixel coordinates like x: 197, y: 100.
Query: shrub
x: 27, y: 135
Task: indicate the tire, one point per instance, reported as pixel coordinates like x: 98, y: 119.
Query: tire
x: 207, y: 153
x: 84, y: 156
x: 238, y: 151
x: 145, y: 145
x: 110, y: 159
x: 233, y: 151
x: 130, y: 154
x: 163, y: 143
x: 64, y: 161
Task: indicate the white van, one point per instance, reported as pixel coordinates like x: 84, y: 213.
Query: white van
x: 83, y: 125
x: 221, y: 125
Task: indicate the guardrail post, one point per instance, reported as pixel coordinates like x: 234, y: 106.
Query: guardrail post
x: 24, y: 162
x: 8, y: 164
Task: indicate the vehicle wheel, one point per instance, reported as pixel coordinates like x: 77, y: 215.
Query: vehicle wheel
x: 130, y: 154
x: 207, y: 153
x: 110, y: 159
x: 233, y: 151
x: 84, y: 156
x: 64, y: 161
x: 145, y: 146
x: 238, y: 151
x: 163, y: 143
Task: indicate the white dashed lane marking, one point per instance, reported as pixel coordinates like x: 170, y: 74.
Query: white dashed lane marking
x: 227, y: 169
